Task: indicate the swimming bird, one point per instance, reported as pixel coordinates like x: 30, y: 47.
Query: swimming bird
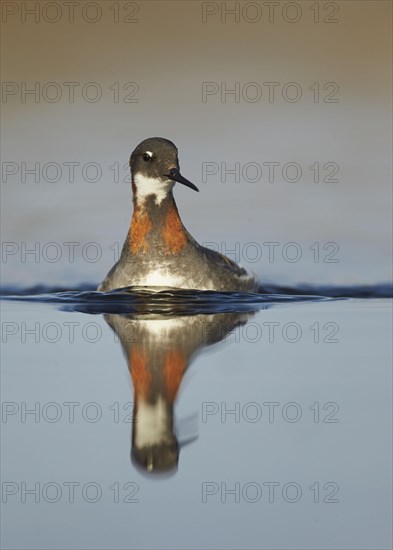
x: 158, y: 250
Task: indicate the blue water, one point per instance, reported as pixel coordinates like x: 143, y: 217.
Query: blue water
x: 281, y: 408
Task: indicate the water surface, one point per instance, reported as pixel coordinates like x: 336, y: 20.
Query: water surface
x: 191, y: 420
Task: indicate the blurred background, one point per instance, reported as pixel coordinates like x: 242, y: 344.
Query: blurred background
x: 237, y: 86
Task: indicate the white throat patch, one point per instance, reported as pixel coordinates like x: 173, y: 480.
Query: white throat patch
x: 151, y: 186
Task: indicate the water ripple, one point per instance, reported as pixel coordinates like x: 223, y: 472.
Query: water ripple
x: 187, y: 302
x: 142, y: 300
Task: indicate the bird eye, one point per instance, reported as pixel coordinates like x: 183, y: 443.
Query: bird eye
x: 147, y: 156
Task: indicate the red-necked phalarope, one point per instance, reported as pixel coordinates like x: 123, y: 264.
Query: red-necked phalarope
x: 159, y: 251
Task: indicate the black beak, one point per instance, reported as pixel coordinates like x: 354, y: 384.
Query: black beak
x: 175, y: 175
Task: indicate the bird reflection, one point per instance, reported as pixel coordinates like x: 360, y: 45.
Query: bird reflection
x: 158, y: 350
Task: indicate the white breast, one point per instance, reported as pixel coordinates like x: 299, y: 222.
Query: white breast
x: 160, y: 277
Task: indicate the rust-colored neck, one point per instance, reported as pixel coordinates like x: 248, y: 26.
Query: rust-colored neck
x: 155, y: 224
